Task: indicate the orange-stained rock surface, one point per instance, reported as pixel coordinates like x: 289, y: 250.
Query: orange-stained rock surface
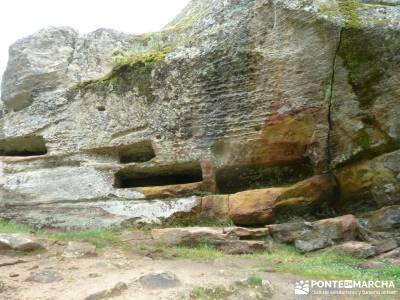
x: 257, y: 207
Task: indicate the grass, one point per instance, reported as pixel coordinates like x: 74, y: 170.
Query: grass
x: 216, y: 293
x: 254, y: 281
x: 237, y: 290
x: 11, y: 227
x: 99, y: 237
x: 286, y: 259
x: 328, y: 266
x: 199, y: 253
x: 109, y: 237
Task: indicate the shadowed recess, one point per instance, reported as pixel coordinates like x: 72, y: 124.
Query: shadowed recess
x: 232, y: 179
x: 23, y: 146
x: 138, y: 152
x: 179, y: 173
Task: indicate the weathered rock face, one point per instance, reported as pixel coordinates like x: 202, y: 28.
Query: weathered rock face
x: 260, y: 206
x: 370, y: 184
x: 382, y: 224
x: 107, y: 128
x: 308, y: 236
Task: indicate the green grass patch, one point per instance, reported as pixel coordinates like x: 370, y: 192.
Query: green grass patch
x: 200, y: 253
x: 327, y: 265
x: 12, y: 227
x: 99, y: 237
x: 216, y: 293
x: 254, y: 281
x: 237, y: 290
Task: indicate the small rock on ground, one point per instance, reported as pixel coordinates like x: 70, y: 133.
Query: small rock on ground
x: 114, y: 291
x: 18, y: 242
x: 79, y: 250
x: 395, y: 253
x: 235, y: 247
x: 45, y: 277
x: 159, y: 280
x: 357, y: 249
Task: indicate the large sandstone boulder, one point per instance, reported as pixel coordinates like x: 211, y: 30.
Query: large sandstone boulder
x: 188, y: 236
x: 215, y: 207
x: 257, y: 207
x: 235, y: 240
x: 108, y: 128
x: 253, y: 207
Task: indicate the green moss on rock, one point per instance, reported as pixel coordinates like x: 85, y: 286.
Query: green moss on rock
x: 187, y: 22
x: 362, y: 57
x: 348, y: 9
x: 364, y: 185
x: 132, y: 72
x: 363, y: 140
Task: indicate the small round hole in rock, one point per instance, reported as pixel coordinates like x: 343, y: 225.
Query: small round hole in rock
x: 101, y: 108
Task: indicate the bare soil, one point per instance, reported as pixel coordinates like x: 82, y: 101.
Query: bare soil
x: 83, y: 277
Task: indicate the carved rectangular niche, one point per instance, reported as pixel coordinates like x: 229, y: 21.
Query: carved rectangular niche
x: 232, y: 179
x: 23, y: 146
x: 179, y: 173
x: 137, y: 152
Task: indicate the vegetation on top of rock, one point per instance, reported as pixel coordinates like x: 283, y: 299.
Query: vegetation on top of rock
x: 363, y: 58
x: 147, y: 42
x: 187, y: 21
x: 348, y: 8
x: 131, y: 72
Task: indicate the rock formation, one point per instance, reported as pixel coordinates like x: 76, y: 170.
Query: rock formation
x: 258, y: 110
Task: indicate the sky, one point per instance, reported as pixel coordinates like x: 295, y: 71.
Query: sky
x: 19, y: 18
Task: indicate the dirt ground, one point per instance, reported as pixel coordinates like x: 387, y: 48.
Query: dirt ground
x: 85, y: 276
